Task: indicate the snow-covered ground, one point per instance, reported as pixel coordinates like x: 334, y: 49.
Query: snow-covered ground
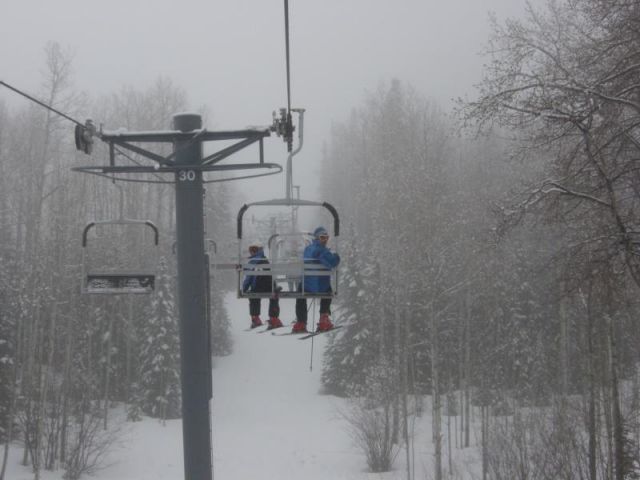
x: 269, y: 420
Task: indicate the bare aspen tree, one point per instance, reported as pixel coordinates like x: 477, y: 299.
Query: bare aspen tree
x: 484, y: 410
x: 636, y: 406
x: 591, y: 385
x: 565, y: 79
x: 450, y: 406
x: 46, y: 385
x: 399, y: 421
x: 616, y: 413
x: 107, y: 368
x: 404, y: 375
x: 466, y: 406
x: 66, y: 387
x: 564, y: 346
x: 435, y: 392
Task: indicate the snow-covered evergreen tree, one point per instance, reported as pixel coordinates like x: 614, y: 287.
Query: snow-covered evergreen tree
x: 159, y: 385
x: 354, y: 349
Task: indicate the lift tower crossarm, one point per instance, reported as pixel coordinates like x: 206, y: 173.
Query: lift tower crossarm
x: 171, y: 136
x: 125, y: 139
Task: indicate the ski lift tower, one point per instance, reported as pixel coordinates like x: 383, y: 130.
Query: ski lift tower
x: 188, y: 167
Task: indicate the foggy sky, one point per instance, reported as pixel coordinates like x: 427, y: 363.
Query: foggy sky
x: 229, y: 55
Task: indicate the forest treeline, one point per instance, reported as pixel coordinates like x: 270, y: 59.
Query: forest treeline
x: 490, y: 257
x: 65, y: 358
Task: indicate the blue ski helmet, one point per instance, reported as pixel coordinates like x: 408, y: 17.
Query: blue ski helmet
x: 320, y: 231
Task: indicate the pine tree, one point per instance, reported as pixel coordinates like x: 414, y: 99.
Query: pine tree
x: 159, y: 386
x: 355, y: 349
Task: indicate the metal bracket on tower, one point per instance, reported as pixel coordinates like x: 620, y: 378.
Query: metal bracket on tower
x: 283, y: 127
x: 84, y: 136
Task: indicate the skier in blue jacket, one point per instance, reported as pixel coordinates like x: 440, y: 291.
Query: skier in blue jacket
x: 260, y: 284
x: 317, y: 253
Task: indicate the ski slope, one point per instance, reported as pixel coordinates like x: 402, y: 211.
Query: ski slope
x: 269, y: 421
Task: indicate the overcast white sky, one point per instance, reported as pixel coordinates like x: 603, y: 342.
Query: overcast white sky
x: 229, y: 55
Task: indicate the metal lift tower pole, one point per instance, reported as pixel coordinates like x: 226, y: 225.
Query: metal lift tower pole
x: 194, y: 331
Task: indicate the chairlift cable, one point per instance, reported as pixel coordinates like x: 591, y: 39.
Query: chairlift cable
x: 286, y: 36
x: 289, y: 127
x: 83, y: 125
x: 48, y: 107
x: 42, y: 104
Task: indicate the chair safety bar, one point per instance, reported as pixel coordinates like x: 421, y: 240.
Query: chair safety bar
x: 287, y: 279
x: 148, y: 223
x: 290, y: 203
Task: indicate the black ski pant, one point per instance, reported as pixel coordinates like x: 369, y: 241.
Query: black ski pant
x: 254, y: 307
x: 301, y: 308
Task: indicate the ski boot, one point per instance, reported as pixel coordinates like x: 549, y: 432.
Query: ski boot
x: 324, y: 325
x: 255, y: 321
x: 299, y: 327
x: 274, y: 322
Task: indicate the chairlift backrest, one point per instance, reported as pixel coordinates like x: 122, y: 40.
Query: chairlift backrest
x: 288, y: 246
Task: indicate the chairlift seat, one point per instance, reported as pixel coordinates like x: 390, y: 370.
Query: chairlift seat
x: 119, y: 283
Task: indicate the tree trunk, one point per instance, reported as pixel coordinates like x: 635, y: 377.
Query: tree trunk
x: 636, y: 403
x: 435, y: 391
x: 49, y: 459
x: 564, y: 345
x: 107, y: 369
x: 462, y: 373
x: 592, y: 395
x: 404, y: 365
x: 397, y: 365
x: 128, y: 335
x: 485, y: 438
x: 449, y: 433
x: 40, y: 404
x: 467, y: 374
x: 66, y: 388
x: 607, y: 408
x: 9, y: 426
x: 616, y: 415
